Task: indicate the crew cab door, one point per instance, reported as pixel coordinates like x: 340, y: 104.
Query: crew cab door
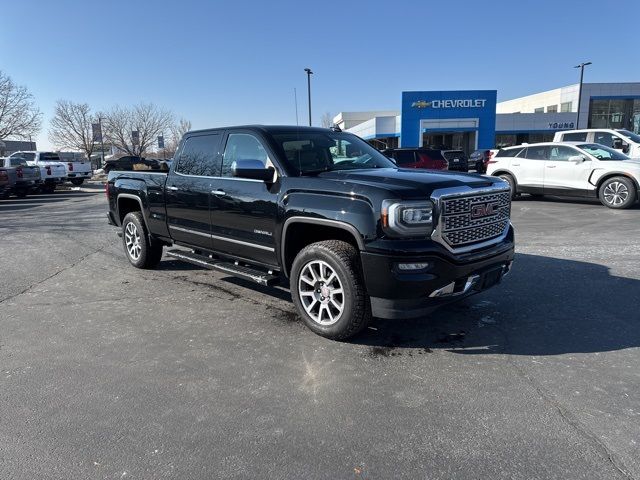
x: 188, y: 190
x: 244, y: 211
x: 564, y: 177
x: 528, y: 167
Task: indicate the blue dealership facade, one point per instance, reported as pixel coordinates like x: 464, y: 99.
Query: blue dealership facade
x: 474, y: 119
x: 436, y: 114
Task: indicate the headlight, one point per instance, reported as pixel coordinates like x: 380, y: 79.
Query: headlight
x: 407, y: 219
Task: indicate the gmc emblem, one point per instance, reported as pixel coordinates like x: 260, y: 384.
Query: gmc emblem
x: 480, y: 210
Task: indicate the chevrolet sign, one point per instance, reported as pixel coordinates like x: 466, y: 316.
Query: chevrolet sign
x: 468, y: 103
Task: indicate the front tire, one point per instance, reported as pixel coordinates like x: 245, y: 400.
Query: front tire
x: 328, y: 289
x: 617, y: 192
x: 135, y: 238
x: 512, y: 184
x: 77, y: 181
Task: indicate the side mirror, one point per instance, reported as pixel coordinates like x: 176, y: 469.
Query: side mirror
x: 253, y: 169
x: 617, y: 144
x: 577, y: 159
x: 625, y: 148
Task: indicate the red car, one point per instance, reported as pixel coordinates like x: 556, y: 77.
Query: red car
x: 417, y: 158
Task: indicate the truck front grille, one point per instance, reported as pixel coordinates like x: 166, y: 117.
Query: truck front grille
x: 473, y: 219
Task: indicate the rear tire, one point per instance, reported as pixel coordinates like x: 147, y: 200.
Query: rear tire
x: 77, y: 181
x: 512, y: 184
x: 141, y: 252
x: 328, y: 289
x: 48, y: 189
x: 617, y: 192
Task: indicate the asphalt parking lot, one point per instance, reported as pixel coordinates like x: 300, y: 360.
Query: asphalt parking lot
x: 111, y: 372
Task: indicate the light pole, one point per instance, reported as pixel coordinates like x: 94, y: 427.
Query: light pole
x: 309, y: 73
x: 581, y: 67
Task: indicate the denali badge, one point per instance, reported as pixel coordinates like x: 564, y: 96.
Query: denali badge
x: 484, y: 209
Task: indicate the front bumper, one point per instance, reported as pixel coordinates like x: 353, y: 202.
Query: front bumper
x: 398, y: 294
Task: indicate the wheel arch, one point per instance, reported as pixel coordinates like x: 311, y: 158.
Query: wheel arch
x: 610, y: 175
x: 298, y: 232
x: 504, y: 171
x: 128, y: 203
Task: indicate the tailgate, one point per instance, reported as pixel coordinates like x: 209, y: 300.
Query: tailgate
x: 30, y: 173
x: 58, y: 171
x: 81, y: 167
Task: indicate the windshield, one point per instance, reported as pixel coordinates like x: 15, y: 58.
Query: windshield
x: 602, y: 153
x: 634, y: 137
x: 50, y: 157
x: 314, y: 152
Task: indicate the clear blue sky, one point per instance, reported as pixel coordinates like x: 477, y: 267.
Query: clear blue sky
x: 235, y: 62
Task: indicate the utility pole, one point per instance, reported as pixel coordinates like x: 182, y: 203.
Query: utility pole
x: 581, y: 67
x: 309, y: 73
x: 101, y: 143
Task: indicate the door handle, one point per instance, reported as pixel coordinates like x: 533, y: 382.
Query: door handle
x: 218, y: 192
x: 172, y: 188
x: 515, y: 164
x: 551, y: 166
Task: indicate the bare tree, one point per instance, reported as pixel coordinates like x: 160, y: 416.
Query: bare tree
x: 147, y: 119
x: 71, y: 127
x: 327, y: 120
x: 177, y: 131
x: 19, y: 116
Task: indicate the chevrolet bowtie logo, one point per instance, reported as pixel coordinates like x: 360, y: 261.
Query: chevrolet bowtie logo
x: 421, y: 104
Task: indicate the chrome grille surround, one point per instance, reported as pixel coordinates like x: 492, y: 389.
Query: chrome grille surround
x: 457, y: 230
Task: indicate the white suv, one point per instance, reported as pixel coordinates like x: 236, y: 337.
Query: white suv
x: 624, y: 140
x: 574, y: 169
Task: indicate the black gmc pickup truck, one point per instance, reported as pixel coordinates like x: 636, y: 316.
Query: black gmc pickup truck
x: 355, y: 235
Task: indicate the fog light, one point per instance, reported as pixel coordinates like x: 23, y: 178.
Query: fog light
x: 410, y: 267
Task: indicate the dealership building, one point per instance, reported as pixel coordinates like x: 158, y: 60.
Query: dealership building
x: 473, y: 119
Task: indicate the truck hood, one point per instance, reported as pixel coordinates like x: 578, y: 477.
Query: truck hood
x: 411, y: 182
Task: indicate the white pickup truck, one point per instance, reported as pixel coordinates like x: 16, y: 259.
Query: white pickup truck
x: 619, y: 139
x: 78, y: 170
x: 52, y: 171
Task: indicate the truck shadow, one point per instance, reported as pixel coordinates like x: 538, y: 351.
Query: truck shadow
x: 547, y: 306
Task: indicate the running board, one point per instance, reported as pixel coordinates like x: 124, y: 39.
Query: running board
x: 229, y: 268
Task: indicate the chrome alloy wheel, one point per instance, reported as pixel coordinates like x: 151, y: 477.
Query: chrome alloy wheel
x: 133, y: 241
x: 321, y: 292
x: 616, y: 193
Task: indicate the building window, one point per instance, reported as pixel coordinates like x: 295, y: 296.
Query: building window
x: 566, y: 107
x: 539, y: 110
x: 615, y: 113
x: 552, y: 108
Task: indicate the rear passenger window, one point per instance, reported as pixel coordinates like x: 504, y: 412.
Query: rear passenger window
x: 197, y: 156
x: 404, y: 157
x: 574, y: 137
x: 537, y: 153
x: 511, y: 152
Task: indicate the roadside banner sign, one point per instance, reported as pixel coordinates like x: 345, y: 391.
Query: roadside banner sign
x: 135, y: 137
x: 160, y: 142
x: 96, y: 129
